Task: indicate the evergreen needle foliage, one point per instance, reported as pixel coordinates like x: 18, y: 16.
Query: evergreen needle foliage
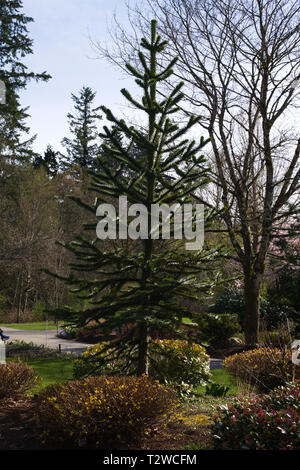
x: 83, y: 147
x: 15, y: 45
x: 137, y: 292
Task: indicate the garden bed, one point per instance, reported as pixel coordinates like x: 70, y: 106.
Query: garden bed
x: 17, y: 421
x: 18, y: 430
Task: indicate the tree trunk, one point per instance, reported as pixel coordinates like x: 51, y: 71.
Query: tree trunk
x: 20, y: 299
x: 16, y: 291
x: 143, y: 360
x: 251, y: 323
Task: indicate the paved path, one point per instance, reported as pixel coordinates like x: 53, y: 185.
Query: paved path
x: 47, y: 338
x: 50, y: 340
x: 216, y: 363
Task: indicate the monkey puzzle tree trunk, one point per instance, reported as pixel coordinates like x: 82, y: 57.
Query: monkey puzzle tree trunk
x: 143, y: 330
x: 251, y: 295
x: 143, y: 360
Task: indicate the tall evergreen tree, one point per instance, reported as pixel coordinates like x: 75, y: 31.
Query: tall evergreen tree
x: 49, y: 161
x: 15, y: 44
x: 83, y: 147
x: 143, y: 289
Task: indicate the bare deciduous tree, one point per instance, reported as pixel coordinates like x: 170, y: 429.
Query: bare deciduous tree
x: 240, y: 62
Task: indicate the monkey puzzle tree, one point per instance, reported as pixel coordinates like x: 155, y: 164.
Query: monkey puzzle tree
x: 136, y: 292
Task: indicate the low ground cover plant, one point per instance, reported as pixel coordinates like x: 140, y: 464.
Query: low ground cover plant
x: 16, y: 378
x: 102, y: 411
x: 266, y: 422
x: 264, y: 368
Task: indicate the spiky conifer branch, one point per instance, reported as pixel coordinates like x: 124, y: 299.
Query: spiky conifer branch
x: 143, y: 289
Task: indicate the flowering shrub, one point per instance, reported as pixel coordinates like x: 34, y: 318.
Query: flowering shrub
x: 174, y: 362
x: 179, y: 363
x: 266, y: 422
x: 16, y: 378
x: 92, y: 362
x: 67, y: 332
x: 265, y: 368
x: 102, y: 411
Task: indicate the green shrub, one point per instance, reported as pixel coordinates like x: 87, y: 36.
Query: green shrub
x: 102, y: 412
x: 273, y: 311
x: 265, y: 368
x: 179, y: 363
x: 173, y: 362
x: 231, y: 299
x: 23, y: 350
x: 216, y: 330
x: 16, y: 378
x: 267, y: 422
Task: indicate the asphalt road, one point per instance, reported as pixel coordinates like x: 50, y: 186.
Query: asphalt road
x: 47, y: 338
x: 50, y: 340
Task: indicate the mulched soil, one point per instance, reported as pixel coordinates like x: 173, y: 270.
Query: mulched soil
x: 18, y: 430
x: 17, y: 424
x: 178, y: 436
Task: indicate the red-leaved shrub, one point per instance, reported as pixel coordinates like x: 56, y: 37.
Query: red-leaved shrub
x: 266, y: 422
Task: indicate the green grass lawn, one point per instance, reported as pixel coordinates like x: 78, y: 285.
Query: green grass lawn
x: 53, y: 371
x: 30, y: 326
x: 50, y: 371
x: 220, y: 376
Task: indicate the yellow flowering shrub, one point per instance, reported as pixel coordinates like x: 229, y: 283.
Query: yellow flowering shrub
x: 102, y: 412
x: 98, y: 359
x: 175, y: 362
x: 265, y: 368
x: 16, y: 378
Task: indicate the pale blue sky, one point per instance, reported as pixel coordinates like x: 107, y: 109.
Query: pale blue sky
x: 61, y: 31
